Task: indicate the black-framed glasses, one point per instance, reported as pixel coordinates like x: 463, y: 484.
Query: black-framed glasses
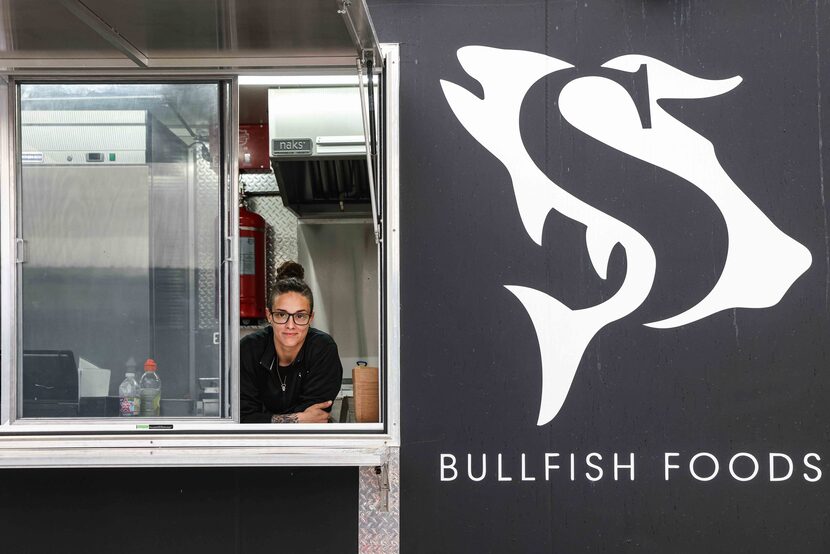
x: 280, y: 317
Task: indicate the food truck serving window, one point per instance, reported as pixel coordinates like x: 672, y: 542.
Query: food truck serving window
x: 127, y: 245
x: 148, y: 193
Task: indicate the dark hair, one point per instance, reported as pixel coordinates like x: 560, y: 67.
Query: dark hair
x: 290, y: 279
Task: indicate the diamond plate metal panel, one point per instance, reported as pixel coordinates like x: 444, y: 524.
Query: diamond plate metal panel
x: 281, y: 237
x: 206, y: 183
x: 259, y: 182
x: 379, y: 531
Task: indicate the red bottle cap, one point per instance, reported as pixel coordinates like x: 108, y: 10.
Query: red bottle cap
x: 150, y: 365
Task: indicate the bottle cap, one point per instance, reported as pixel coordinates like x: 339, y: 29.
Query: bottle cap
x: 150, y: 365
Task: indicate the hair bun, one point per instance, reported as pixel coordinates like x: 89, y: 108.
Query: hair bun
x: 290, y: 269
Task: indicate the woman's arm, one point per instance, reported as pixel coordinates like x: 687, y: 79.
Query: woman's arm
x: 316, y: 413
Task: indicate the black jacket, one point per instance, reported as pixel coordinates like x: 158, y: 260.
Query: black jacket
x: 313, y: 377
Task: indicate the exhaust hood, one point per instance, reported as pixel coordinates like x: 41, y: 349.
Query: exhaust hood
x: 318, y: 150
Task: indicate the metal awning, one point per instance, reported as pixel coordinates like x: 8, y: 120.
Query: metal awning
x: 184, y: 34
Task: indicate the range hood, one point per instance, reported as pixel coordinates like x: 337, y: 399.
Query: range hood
x: 318, y: 150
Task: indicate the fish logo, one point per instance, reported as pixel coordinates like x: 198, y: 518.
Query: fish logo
x: 761, y: 264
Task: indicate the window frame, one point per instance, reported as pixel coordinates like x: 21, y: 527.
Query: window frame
x: 79, y: 442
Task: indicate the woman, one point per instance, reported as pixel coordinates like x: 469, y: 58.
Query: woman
x: 289, y: 371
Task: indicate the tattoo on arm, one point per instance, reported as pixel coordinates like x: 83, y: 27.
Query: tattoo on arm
x: 285, y: 418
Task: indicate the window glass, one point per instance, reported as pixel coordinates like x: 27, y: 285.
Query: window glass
x: 120, y: 210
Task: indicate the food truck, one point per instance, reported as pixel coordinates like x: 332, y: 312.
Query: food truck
x: 574, y: 257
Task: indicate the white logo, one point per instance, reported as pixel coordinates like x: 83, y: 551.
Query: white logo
x: 761, y: 263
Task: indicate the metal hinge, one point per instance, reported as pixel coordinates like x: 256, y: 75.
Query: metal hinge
x: 383, y: 487
x: 367, y: 55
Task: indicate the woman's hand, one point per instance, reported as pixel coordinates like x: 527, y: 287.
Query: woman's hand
x: 315, y: 413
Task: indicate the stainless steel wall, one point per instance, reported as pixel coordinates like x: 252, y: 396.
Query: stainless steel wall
x: 120, y: 250
x: 340, y: 259
x: 86, y: 284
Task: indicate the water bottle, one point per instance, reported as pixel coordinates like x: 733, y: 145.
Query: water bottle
x: 150, y: 386
x: 129, y: 400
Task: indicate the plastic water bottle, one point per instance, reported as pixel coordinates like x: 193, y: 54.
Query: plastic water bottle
x: 150, y: 386
x: 129, y: 396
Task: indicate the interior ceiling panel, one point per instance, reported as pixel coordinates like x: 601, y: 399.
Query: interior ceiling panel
x: 42, y: 29
x: 184, y: 33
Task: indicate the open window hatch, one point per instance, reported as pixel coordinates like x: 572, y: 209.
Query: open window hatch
x: 163, y: 165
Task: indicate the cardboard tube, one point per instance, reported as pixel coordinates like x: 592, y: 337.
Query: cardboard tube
x: 365, y: 380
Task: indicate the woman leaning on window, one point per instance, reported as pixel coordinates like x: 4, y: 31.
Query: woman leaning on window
x: 290, y: 372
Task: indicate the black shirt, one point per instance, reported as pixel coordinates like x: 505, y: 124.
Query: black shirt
x: 313, y: 377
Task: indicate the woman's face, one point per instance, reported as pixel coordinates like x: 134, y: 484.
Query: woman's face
x: 289, y: 334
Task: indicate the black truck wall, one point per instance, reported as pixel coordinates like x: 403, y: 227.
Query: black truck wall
x: 221, y: 511
x: 520, y: 175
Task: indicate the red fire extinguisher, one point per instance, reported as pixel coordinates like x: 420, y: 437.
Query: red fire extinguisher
x: 251, y: 265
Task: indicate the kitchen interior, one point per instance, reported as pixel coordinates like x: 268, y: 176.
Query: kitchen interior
x: 303, y: 170
x: 121, y: 205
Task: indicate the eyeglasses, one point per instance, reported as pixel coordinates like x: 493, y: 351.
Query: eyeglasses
x: 280, y: 317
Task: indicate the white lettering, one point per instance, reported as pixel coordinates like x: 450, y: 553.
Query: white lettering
x: 573, y: 477
x: 524, y: 473
x: 695, y: 459
x: 668, y: 465
x: 811, y: 466
x: 470, y: 467
x: 732, y: 466
x: 772, y: 457
x: 450, y: 466
x: 549, y: 466
x: 593, y: 466
x: 629, y: 466
x: 702, y: 466
x: 501, y: 476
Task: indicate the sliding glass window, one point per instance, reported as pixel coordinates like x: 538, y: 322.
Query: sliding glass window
x: 120, y: 225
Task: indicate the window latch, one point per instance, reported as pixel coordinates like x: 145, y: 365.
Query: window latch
x: 21, y: 254
x: 228, y: 249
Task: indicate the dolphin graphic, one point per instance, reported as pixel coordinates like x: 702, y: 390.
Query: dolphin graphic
x: 762, y: 262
